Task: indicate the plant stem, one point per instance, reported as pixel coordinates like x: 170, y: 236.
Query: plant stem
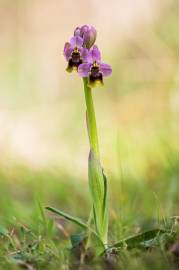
x: 91, y: 119
x: 97, y: 179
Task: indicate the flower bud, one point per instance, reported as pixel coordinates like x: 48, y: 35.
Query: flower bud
x: 88, y: 33
x: 77, y: 31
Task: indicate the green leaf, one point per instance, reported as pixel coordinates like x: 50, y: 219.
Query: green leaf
x: 75, y: 220
x: 98, y: 189
x: 3, y: 231
x: 41, y: 209
x: 105, y: 207
x: 96, y: 182
x: 139, y: 239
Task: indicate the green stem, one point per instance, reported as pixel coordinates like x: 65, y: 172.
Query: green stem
x: 96, y: 177
x: 91, y: 119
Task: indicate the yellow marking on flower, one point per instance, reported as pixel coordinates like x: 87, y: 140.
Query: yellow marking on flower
x: 95, y: 64
x: 75, y: 49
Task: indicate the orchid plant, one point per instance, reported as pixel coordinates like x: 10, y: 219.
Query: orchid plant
x: 84, y: 57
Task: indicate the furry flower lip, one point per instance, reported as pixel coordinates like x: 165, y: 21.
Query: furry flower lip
x: 74, y: 53
x: 93, y: 68
x: 88, y: 33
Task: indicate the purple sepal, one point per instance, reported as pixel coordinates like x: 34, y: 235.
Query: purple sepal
x: 76, y: 41
x: 67, y: 50
x: 105, y: 69
x: 94, y: 55
x: 84, y: 54
x: 84, y: 69
x: 77, y: 31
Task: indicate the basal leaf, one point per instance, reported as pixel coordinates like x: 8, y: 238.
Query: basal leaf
x: 105, y: 207
x: 98, y: 189
x: 75, y: 220
x: 137, y: 240
x: 96, y: 182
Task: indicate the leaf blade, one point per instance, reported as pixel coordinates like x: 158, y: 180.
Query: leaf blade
x: 136, y: 240
x: 75, y: 220
x: 98, y: 189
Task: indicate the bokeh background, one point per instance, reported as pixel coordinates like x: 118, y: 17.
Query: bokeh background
x: 43, y: 138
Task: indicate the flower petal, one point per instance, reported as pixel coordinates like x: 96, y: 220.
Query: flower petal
x: 67, y: 50
x: 76, y: 41
x: 84, y: 69
x: 89, y: 37
x: 77, y: 31
x: 105, y: 69
x: 66, y: 46
x: 84, y: 54
x: 83, y: 29
x: 95, y: 54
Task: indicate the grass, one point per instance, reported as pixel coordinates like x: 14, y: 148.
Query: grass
x: 31, y: 238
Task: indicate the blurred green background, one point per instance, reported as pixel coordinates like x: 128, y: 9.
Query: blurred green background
x: 43, y: 138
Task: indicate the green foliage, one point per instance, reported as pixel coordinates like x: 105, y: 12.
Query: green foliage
x: 140, y: 240
x: 75, y: 220
x: 98, y: 189
x: 3, y: 230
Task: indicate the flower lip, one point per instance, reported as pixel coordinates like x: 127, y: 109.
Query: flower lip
x: 74, y: 61
x: 95, y: 75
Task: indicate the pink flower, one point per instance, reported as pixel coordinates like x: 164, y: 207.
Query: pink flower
x: 74, y: 53
x: 94, y: 68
